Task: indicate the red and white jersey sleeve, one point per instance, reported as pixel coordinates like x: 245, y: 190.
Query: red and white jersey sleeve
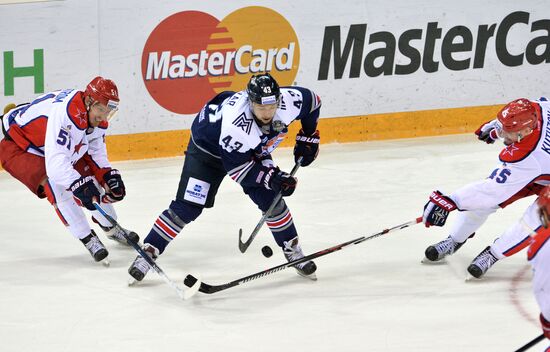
x: 524, y: 166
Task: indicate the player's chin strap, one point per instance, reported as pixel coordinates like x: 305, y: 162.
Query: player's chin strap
x: 183, y: 294
x: 243, y: 246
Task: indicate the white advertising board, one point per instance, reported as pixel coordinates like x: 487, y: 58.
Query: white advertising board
x: 362, y: 57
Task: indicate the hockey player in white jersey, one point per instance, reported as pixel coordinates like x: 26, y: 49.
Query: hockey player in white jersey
x: 235, y: 134
x: 524, y: 170
x: 56, y: 147
x: 538, y: 255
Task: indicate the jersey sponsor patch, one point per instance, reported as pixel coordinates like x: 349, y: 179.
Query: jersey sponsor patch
x: 270, y: 99
x: 196, y: 191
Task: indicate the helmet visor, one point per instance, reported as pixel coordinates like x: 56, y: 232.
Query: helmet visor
x: 106, y: 112
x: 509, y: 137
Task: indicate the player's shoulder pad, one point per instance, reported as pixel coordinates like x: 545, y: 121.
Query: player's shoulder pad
x: 232, y: 104
x: 76, y: 111
x: 311, y: 101
x: 544, y: 104
x: 519, y: 151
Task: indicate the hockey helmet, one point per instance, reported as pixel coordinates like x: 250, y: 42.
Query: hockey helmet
x: 263, y: 89
x: 517, y: 115
x: 103, y: 91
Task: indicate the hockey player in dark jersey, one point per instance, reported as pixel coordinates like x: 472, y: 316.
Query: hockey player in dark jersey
x: 234, y: 134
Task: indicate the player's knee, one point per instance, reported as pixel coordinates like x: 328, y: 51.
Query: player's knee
x: 184, y: 211
x: 279, y: 209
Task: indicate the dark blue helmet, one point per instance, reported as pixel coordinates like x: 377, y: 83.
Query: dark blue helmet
x: 263, y: 89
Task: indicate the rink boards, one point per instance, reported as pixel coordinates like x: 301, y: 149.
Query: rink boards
x: 381, y: 71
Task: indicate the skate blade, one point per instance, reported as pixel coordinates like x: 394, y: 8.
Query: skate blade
x: 106, y: 263
x: 132, y: 282
x: 429, y: 262
x: 312, y: 277
x: 470, y: 277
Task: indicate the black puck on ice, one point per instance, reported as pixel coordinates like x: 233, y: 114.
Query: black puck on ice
x: 267, y: 251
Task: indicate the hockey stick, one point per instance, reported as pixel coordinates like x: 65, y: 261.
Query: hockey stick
x: 183, y: 294
x: 243, y: 246
x: 529, y: 344
x: 190, y: 280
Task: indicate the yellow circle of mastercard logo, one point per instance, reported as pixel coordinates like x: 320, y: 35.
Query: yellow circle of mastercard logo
x: 191, y: 56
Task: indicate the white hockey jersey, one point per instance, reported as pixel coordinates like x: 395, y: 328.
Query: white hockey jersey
x: 55, y: 126
x: 524, y: 170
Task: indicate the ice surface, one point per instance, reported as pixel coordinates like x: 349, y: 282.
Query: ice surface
x: 375, y: 296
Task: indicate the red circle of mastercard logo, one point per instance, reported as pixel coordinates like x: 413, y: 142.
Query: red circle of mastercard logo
x: 191, y: 56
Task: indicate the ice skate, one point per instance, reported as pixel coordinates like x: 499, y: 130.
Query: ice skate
x: 95, y: 247
x: 293, y: 251
x: 482, y: 263
x: 115, y: 233
x: 140, y: 267
x: 441, y: 249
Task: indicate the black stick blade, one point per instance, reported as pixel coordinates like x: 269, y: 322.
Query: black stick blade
x: 243, y: 246
x: 190, y: 280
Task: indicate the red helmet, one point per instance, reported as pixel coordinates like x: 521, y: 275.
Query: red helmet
x: 544, y: 205
x: 517, y: 115
x: 103, y: 91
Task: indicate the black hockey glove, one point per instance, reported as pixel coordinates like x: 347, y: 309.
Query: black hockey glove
x: 280, y: 181
x: 85, y: 192
x: 115, y: 187
x: 306, y: 147
x: 437, y: 209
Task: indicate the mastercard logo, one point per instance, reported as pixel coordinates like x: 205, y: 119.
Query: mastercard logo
x: 191, y: 56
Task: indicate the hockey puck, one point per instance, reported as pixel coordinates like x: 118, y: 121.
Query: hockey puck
x: 267, y: 251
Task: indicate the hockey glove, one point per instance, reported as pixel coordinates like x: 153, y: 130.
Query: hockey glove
x: 437, y: 209
x: 306, y: 147
x: 85, y: 192
x: 487, y: 132
x: 115, y: 187
x: 280, y: 181
x: 545, y: 326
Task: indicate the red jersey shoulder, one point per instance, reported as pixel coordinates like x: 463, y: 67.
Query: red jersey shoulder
x: 519, y: 151
x: 76, y: 110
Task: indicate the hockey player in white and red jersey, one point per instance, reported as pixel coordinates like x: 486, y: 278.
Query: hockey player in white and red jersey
x: 523, y: 171
x: 56, y: 147
x: 235, y: 134
x: 538, y: 255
